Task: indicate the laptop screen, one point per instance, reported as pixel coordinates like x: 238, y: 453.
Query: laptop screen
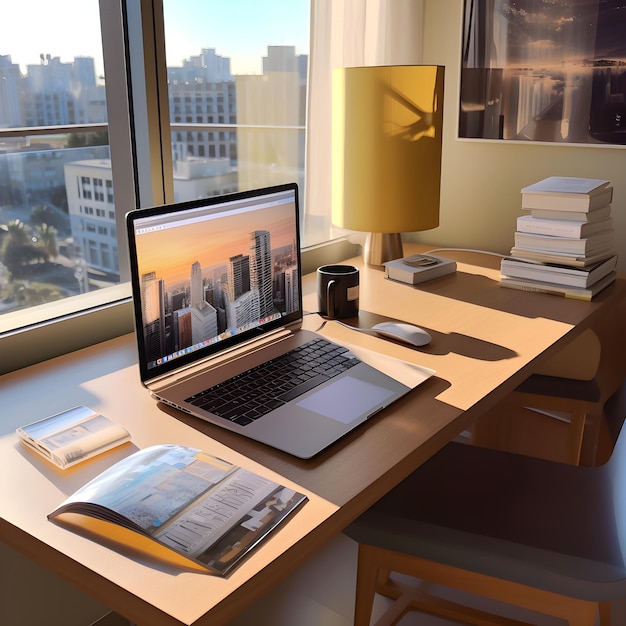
x: 211, y: 273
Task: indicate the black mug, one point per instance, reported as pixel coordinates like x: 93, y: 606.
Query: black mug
x: 338, y: 291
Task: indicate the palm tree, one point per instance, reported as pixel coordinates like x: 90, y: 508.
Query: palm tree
x: 18, y: 249
x: 47, y: 240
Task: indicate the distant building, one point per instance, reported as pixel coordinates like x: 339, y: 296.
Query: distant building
x: 91, y: 207
x: 207, y: 67
x: 10, y: 76
x: 196, y: 291
x: 291, y: 294
x: 243, y: 311
x: 283, y: 59
x: 238, y: 276
x: 37, y: 176
x: 153, y: 314
x: 56, y: 93
x: 260, y: 248
x: 252, y: 131
x: 195, y: 177
x: 183, y: 334
x: 276, y: 100
x: 203, y: 323
x: 202, y: 91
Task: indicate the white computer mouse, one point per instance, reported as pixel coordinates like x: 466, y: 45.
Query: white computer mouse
x: 401, y: 331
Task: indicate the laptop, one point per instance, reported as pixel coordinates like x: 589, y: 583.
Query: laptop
x: 217, y: 292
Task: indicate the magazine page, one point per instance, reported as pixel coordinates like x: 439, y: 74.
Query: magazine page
x: 202, y: 507
x: 72, y: 436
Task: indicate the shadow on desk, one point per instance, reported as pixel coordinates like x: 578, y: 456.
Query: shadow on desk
x: 441, y: 343
x: 486, y: 292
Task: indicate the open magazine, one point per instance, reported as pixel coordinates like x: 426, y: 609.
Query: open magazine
x: 201, y: 507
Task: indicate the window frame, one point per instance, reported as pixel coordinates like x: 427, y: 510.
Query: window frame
x: 133, y: 40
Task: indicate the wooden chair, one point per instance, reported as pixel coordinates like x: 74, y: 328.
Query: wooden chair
x: 550, y: 413
x: 546, y: 536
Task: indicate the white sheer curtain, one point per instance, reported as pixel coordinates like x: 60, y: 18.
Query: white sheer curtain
x: 348, y: 33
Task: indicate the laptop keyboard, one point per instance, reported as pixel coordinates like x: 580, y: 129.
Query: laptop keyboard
x: 254, y: 393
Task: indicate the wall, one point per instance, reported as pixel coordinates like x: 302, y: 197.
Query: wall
x: 481, y: 180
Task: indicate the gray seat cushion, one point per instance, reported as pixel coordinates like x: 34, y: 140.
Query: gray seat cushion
x: 545, y: 524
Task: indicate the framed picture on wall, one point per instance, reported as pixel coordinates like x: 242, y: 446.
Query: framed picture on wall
x: 544, y: 70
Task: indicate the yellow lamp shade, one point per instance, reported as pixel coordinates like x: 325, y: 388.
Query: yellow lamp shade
x: 386, y: 148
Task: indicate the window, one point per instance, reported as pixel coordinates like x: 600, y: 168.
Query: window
x: 222, y: 59
x: 57, y: 257
x: 98, y: 191
x: 72, y: 175
x: 53, y: 121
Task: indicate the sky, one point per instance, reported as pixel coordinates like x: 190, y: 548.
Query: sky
x: 161, y: 253
x: 239, y: 29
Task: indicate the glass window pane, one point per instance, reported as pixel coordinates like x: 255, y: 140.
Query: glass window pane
x: 57, y: 217
x: 237, y: 78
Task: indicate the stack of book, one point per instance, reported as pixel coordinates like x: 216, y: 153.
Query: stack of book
x: 564, y: 243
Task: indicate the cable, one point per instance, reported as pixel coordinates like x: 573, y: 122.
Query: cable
x: 501, y: 256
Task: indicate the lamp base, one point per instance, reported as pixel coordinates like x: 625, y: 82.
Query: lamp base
x: 382, y: 247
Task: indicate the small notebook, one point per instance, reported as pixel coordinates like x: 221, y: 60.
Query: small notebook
x: 72, y: 436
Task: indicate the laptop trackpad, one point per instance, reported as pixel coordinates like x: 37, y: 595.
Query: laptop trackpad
x: 356, y: 397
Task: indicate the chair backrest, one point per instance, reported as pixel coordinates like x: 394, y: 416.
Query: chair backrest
x: 557, y: 508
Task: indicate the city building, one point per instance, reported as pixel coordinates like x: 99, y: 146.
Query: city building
x: 271, y: 111
x: 9, y: 93
x: 202, y: 92
x: 90, y: 201
x: 58, y: 94
x: 225, y: 132
x: 261, y: 270
x: 153, y: 313
x: 197, y: 177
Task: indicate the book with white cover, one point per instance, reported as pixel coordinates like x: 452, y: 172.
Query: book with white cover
x: 563, y: 258
x: 576, y: 293
x: 554, y: 273
x: 567, y: 184
x: 574, y: 245
x: 72, y: 436
x: 561, y: 228
x: 567, y: 194
x: 596, y: 215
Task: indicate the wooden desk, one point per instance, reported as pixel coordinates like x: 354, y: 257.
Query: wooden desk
x: 485, y: 340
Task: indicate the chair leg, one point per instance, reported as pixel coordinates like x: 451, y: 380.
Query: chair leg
x: 366, y: 578
x: 581, y: 615
x: 576, y: 432
x: 377, y: 563
x: 605, y: 614
x: 574, y: 611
